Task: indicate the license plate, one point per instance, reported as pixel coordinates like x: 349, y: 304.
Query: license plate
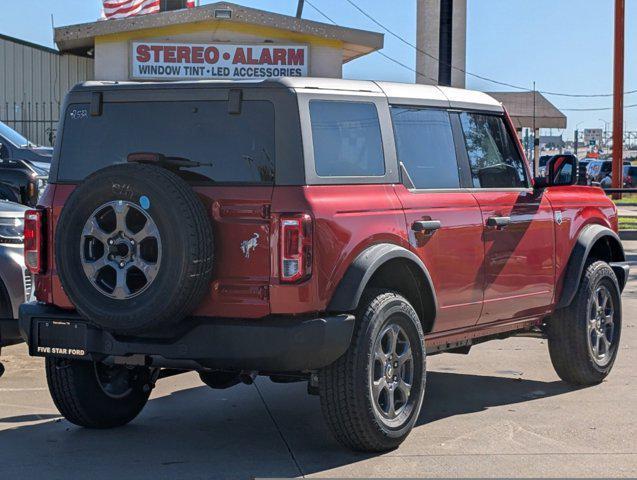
x: 67, y: 339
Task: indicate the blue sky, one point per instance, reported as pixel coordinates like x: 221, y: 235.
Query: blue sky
x: 562, y: 45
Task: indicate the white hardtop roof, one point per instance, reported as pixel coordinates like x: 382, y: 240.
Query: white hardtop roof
x: 396, y: 93
x: 402, y: 93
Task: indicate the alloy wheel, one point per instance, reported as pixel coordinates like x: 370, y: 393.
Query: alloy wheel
x: 391, y: 372
x: 120, y: 249
x: 600, y: 325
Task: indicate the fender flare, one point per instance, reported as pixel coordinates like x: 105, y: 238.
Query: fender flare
x: 350, y: 289
x: 587, y: 238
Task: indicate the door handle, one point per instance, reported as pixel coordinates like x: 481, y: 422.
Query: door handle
x: 427, y: 226
x: 498, y: 222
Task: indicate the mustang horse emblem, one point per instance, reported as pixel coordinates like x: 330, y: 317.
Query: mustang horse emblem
x: 248, y: 245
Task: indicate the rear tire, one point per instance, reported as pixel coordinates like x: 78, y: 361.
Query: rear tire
x: 87, y: 401
x: 583, y: 338
x: 364, y: 394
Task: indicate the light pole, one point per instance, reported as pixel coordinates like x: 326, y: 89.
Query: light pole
x: 605, y: 137
x: 576, y: 138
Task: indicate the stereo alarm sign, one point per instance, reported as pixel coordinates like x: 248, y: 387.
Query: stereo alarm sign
x: 172, y: 61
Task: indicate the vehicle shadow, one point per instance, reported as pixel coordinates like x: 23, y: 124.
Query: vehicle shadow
x: 450, y: 394
x: 199, y: 432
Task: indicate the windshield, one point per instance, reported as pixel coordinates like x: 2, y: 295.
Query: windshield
x: 12, y: 136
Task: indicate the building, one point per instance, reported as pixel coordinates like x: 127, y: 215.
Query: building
x: 33, y: 82
x: 552, y: 142
x: 221, y: 40
x: 216, y: 41
x: 593, y: 137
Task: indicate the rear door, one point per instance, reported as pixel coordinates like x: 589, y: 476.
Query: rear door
x: 231, y: 134
x: 517, y: 222
x: 443, y: 221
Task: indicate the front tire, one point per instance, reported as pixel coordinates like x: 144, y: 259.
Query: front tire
x: 371, y: 397
x: 94, y: 395
x: 583, y: 338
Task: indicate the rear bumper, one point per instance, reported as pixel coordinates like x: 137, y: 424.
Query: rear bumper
x: 265, y: 345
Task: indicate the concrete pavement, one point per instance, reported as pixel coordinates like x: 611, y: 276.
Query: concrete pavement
x: 500, y: 411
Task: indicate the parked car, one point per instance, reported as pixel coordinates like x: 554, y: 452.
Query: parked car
x: 630, y: 176
x: 15, y: 279
x: 326, y: 231
x: 597, y: 170
x: 24, y: 167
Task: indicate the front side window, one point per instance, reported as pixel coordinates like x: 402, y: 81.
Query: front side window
x: 493, y: 156
x: 425, y: 146
x: 231, y: 148
x: 347, y: 139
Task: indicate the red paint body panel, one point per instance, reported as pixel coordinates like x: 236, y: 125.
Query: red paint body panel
x: 579, y: 206
x: 454, y: 254
x: 518, y: 270
x: 347, y: 219
x: 520, y: 258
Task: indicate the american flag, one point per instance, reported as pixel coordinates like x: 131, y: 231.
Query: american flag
x: 129, y: 8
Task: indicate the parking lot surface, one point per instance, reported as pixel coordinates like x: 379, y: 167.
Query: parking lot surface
x: 500, y: 411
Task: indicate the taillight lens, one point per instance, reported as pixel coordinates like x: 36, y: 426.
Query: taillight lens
x: 296, y: 247
x: 33, y: 245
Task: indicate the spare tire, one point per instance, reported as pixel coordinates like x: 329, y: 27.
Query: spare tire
x: 134, y: 249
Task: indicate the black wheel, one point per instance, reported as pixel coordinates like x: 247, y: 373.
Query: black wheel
x: 372, y: 395
x: 134, y: 248
x: 584, y: 337
x: 95, y: 395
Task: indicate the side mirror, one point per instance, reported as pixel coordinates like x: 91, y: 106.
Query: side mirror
x: 560, y: 170
x: 1, y: 150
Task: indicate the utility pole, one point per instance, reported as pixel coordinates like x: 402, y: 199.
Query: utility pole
x: 576, y: 141
x: 299, y: 8
x: 536, y: 140
x: 618, y: 96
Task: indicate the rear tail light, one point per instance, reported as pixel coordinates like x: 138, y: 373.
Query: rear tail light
x: 33, y: 240
x: 295, y: 248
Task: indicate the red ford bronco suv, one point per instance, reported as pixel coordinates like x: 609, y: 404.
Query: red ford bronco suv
x: 328, y: 231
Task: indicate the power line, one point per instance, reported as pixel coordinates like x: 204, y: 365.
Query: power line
x: 590, y: 95
x: 397, y: 62
x: 481, y: 77
x: 594, y: 109
x: 433, y: 57
x: 384, y: 55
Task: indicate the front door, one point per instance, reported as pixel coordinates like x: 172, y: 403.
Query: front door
x: 517, y: 221
x: 443, y: 221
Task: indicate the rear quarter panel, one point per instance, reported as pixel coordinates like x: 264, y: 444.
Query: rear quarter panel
x: 577, y: 206
x: 347, y: 219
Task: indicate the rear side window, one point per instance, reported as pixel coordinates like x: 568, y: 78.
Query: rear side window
x: 232, y: 148
x: 347, y: 139
x: 425, y: 146
x: 494, y: 159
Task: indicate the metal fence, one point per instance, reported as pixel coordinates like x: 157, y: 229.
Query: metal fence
x: 37, y: 121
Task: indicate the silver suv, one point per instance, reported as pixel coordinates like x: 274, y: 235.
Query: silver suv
x: 15, y: 280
